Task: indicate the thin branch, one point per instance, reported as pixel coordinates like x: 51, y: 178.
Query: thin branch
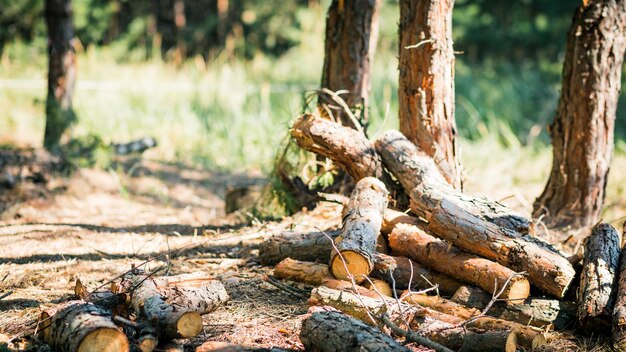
x: 415, y: 46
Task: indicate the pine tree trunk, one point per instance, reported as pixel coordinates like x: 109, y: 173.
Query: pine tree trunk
x: 582, y: 130
x: 61, y: 71
x: 426, y: 86
x: 351, y: 35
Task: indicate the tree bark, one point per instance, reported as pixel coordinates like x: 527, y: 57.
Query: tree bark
x: 596, y: 294
x: 582, y: 130
x: 439, y: 304
x: 619, y: 312
x: 78, y: 326
x: 398, y: 270
x: 539, y: 312
x: 365, y: 308
x: 306, y: 272
x: 356, y: 245
x: 328, y: 330
x: 351, y: 36
x: 308, y: 247
x: 220, y: 346
x: 418, y: 174
x: 412, y: 242
x: 61, y: 71
x: 426, y: 85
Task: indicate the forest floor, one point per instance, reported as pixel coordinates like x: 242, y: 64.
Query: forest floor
x: 95, y: 224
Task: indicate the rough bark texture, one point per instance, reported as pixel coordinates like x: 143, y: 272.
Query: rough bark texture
x: 546, y: 269
x: 363, y: 308
x: 426, y: 85
x: 305, y: 272
x: 596, y: 294
x: 419, y: 175
x: 398, y: 270
x: 619, y: 312
x: 470, y: 340
x: 582, y: 130
x: 351, y: 36
x: 538, y: 312
x: 309, y: 247
x: 439, y: 304
x: 220, y: 346
x: 78, y: 326
x: 61, y: 71
x: 346, y: 147
x: 173, y: 311
x: 356, y: 244
x: 332, y: 331
x: 412, y: 242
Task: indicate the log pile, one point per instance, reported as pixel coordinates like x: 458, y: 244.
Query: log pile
x: 468, y: 270
x: 151, y: 310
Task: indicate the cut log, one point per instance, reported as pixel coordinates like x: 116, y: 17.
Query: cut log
x: 309, y: 247
x: 414, y: 169
x: 472, y: 340
x: 377, y: 285
x: 365, y: 309
x: 78, y: 326
x: 220, y: 346
x: 345, y: 146
x: 398, y: 270
x: 329, y: 331
x: 413, y: 242
x: 393, y: 217
x: 538, y: 312
x: 317, y: 275
x: 103, y: 298
x: 356, y: 245
x: 190, y: 280
x: 439, y: 304
x: 174, y: 311
x: 596, y: 294
x: 549, y: 271
x: 619, y: 312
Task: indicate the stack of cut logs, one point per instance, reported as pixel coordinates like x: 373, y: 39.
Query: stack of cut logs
x: 151, y: 310
x: 473, y: 274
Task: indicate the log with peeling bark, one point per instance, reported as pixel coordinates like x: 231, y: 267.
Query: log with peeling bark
x: 619, y: 312
x: 328, y: 330
x: 346, y: 147
x: 439, y: 304
x: 471, y: 340
x: 596, y: 294
x: 174, y: 311
x: 369, y: 309
x: 533, y: 311
x: 317, y: 275
x: 413, y: 242
x: 474, y: 224
x: 220, y: 346
x: 401, y: 271
x: 356, y: 245
x: 78, y: 326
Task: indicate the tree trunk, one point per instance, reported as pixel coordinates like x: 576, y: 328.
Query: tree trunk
x: 596, y: 294
x: 410, y: 241
x: 61, y: 71
x: 180, y: 21
x: 426, y: 86
x: 328, y: 330
x: 308, y: 247
x: 309, y: 273
x: 398, y: 271
x: 582, y: 130
x: 351, y: 36
x: 619, y: 312
x: 538, y: 312
x: 77, y: 326
x: 356, y: 245
x: 220, y: 346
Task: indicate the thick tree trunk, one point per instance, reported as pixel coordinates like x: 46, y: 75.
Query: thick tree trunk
x: 538, y: 312
x: 356, y: 245
x: 426, y: 85
x: 596, y: 294
x: 174, y: 311
x: 582, y: 130
x: 78, y: 326
x: 327, y: 330
x: 351, y: 35
x: 412, y: 242
x: 61, y: 71
x: 404, y: 272
x: 619, y: 312
x: 365, y: 309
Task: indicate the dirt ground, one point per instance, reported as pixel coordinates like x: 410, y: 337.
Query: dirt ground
x: 93, y: 225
